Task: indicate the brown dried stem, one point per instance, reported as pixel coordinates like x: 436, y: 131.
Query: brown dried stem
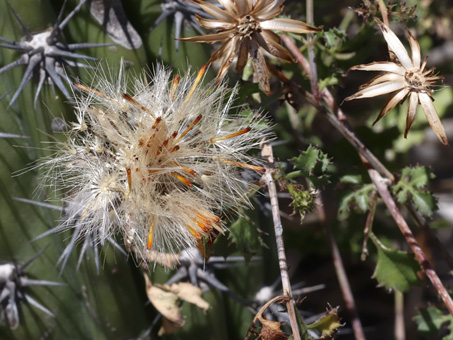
x: 384, y: 12
x: 337, y: 118
x: 286, y: 285
x: 381, y: 185
x: 334, y: 114
x: 368, y: 226
x: 341, y: 274
x: 431, y: 235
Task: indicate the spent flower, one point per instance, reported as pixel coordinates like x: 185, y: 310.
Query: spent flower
x: 158, y: 166
x: 405, y: 77
x: 245, y: 27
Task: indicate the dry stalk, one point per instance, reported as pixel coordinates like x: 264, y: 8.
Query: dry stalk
x: 286, y: 285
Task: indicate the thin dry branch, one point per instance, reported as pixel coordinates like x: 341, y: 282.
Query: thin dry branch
x: 337, y: 118
x: 381, y: 185
x: 286, y: 285
x: 346, y: 290
x: 334, y: 114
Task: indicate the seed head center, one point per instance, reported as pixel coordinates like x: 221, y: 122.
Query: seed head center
x: 247, y: 26
x: 415, y: 80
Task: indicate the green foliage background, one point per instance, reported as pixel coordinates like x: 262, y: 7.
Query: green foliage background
x: 112, y: 304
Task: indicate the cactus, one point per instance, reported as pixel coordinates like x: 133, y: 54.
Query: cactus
x: 222, y: 272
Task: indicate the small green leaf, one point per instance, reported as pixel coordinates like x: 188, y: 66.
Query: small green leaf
x: 425, y: 202
x: 358, y: 199
x: 246, y: 236
x: 413, y: 179
x: 351, y: 179
x: 334, y: 37
x: 313, y: 164
x: 430, y: 320
x: 395, y: 269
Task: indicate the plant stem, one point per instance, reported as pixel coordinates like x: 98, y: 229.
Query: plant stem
x: 431, y: 235
x: 311, y: 53
x: 399, y: 316
x: 348, y: 297
x: 381, y: 186
x: 368, y: 226
x: 337, y: 117
x: 286, y: 285
x: 384, y: 12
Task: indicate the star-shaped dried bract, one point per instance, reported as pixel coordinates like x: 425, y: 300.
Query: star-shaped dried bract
x: 245, y: 28
x: 45, y: 55
x: 405, y: 77
x: 90, y: 244
x: 181, y: 12
x: 13, y: 290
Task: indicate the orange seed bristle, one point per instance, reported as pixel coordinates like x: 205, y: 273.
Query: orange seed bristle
x: 231, y: 135
x: 174, y: 86
x: 182, y: 179
x: 129, y: 181
x: 133, y: 101
x: 150, y: 235
x: 243, y: 165
x: 196, y: 83
x: 190, y: 127
x: 100, y: 94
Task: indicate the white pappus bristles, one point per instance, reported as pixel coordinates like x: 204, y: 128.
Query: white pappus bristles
x: 158, y: 164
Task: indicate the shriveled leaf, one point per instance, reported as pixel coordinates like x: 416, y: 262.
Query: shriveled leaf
x: 167, y: 303
x: 168, y: 327
x: 270, y: 330
x: 188, y: 292
x: 328, y: 324
x: 430, y: 321
x: 166, y: 298
x: 395, y: 269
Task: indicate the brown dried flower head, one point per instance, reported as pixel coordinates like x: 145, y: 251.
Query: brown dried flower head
x: 406, y: 77
x: 245, y: 27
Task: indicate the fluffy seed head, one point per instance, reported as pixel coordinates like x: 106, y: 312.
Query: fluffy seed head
x: 159, y: 164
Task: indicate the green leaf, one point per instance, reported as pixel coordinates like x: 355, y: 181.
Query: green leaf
x: 425, y: 202
x: 334, y: 37
x: 430, y: 320
x: 395, y: 269
x: 313, y: 164
x: 413, y: 179
x: 246, y: 236
x: 328, y: 324
x: 358, y: 199
x: 351, y: 179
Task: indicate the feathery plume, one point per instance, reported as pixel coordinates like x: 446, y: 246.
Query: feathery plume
x: 158, y: 166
